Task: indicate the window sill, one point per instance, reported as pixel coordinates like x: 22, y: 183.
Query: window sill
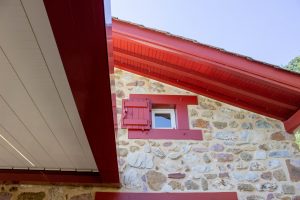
x: 175, y: 134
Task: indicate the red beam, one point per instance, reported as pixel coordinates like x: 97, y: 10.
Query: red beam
x: 199, y: 52
x: 48, y: 177
x: 189, y: 73
x: 166, y: 196
x: 293, y: 122
x: 81, y: 35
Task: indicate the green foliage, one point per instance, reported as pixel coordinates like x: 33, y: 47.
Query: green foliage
x: 297, y: 136
x: 294, y: 65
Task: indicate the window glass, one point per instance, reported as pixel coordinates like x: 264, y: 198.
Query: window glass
x: 163, y: 120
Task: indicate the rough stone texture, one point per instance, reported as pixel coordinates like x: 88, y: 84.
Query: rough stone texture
x: 134, y: 148
x: 158, y: 152
x: 279, y: 154
x: 56, y: 193
x: 155, y: 180
x: 204, y: 184
x: 176, y: 185
x: 254, y: 197
x: 5, y: 196
x: 246, y: 187
x: 274, y: 164
x: 222, y: 184
x: 140, y: 160
x: 257, y: 166
x: 176, y: 175
x: 266, y: 175
x: 224, y: 157
x: 224, y: 175
x: 87, y: 196
x: 294, y: 170
x: 200, y: 123
x: 260, y: 155
x: 140, y: 142
x: 122, y: 152
x: 217, y: 147
x: 278, y: 136
x: 246, y: 156
x: 174, y: 155
x: 191, y: 185
x: 220, y: 125
x: 167, y: 144
x: 268, y: 187
x: 210, y: 176
x: 206, y: 158
x: 31, y: 196
x: 279, y: 175
x: 225, y: 135
x: 246, y: 176
x: 131, y: 178
x: 288, y: 189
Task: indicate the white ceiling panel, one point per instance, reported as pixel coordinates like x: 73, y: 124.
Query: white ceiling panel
x: 38, y: 113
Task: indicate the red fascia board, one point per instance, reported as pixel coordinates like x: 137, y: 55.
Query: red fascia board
x: 196, y: 51
x: 80, y: 32
x: 293, y: 122
x: 49, y: 177
x: 166, y: 196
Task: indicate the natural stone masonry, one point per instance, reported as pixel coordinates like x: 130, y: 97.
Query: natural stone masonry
x: 241, y: 152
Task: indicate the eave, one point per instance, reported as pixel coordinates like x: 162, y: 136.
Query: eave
x: 206, y: 70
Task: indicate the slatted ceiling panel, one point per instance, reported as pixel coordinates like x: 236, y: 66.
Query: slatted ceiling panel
x: 19, y: 132
x: 14, y: 149
x: 12, y: 157
x: 47, y: 128
x: 35, y: 77
x: 8, y: 160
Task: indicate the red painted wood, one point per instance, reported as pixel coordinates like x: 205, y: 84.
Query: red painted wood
x: 166, y: 196
x: 174, y: 134
x: 225, y: 76
x: 49, y: 177
x: 179, y: 102
x: 293, y: 122
x: 199, y: 51
x: 193, y: 74
x: 83, y: 41
x: 136, y: 114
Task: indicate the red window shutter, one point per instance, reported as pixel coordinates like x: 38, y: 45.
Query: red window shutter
x: 136, y: 114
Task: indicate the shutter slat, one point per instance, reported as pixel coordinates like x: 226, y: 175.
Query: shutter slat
x: 136, y: 104
x: 135, y: 122
x: 136, y: 114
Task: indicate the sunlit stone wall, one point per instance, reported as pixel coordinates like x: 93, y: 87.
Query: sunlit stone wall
x: 242, y: 151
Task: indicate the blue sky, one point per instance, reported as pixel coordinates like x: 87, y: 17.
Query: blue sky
x: 266, y: 30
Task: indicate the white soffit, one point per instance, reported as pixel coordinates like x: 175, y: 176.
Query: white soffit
x: 39, y: 122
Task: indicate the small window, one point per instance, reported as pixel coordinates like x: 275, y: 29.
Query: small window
x: 163, y: 119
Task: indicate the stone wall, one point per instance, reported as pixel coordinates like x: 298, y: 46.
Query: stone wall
x: 242, y: 151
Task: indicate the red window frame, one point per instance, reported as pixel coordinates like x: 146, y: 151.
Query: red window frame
x: 141, y: 113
